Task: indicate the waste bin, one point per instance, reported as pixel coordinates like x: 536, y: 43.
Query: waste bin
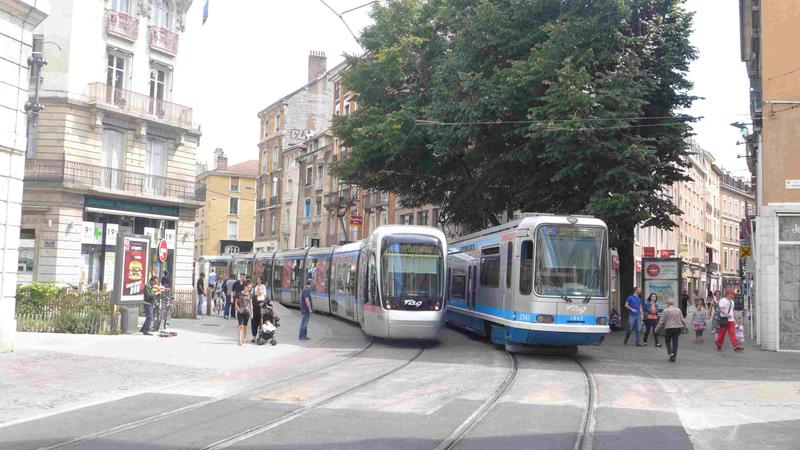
x: 129, y: 320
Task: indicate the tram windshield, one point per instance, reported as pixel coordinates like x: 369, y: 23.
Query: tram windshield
x: 571, y: 260
x: 412, y: 268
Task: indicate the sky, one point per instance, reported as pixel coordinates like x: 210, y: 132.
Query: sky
x: 251, y: 53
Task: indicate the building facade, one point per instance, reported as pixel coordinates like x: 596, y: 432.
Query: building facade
x: 285, y: 127
x: 113, y: 153
x: 227, y: 221
x: 736, y: 203
x: 768, y: 31
x: 18, y: 18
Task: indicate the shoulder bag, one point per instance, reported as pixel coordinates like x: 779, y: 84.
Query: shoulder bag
x: 724, y: 320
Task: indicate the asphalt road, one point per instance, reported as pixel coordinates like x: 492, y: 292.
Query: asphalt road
x: 346, y: 391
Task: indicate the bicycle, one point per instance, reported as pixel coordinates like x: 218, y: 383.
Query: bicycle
x: 162, y: 310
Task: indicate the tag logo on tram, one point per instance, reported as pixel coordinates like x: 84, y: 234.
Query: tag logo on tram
x: 576, y: 308
x: 414, y: 303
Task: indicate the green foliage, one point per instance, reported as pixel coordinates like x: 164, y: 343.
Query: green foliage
x: 33, y: 297
x: 548, y: 106
x: 47, y: 308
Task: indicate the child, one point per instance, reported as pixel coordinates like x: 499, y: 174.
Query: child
x: 739, y: 331
x: 699, y: 320
x: 614, y: 321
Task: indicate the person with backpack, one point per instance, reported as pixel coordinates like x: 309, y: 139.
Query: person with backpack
x: 651, y: 318
x: 727, y: 321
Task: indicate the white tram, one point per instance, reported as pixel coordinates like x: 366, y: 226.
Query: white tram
x: 542, y: 280
x: 392, y: 283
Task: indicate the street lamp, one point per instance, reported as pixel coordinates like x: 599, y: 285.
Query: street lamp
x: 742, y: 127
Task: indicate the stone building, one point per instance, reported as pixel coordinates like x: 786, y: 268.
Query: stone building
x: 113, y: 151
x: 18, y: 18
x: 736, y: 203
x: 285, y: 127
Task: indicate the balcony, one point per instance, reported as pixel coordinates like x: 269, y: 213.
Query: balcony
x: 287, y: 198
x: 261, y: 203
x: 104, y: 179
x: 376, y: 200
x: 200, y: 192
x: 284, y: 228
x: 342, y: 199
x: 162, y: 40
x: 315, y: 220
x: 273, y: 201
x: 709, y: 238
x: 122, y: 25
x: 306, y: 220
x: 139, y: 105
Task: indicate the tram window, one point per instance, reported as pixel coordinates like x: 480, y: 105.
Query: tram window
x: 509, y: 261
x: 526, y: 268
x: 490, y: 267
x: 458, y: 286
x: 276, y: 275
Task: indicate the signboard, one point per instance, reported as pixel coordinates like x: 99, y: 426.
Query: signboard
x: 662, y: 277
x: 684, y: 247
x: 169, y: 235
x: 665, y: 253
x: 131, y: 269
x: 162, y: 250
x: 112, y: 230
x: 125, y: 205
x: 745, y: 251
x: 87, y: 232
x: 792, y: 184
x: 356, y: 219
x: 649, y: 252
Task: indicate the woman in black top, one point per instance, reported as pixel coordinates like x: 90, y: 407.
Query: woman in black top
x: 244, y: 306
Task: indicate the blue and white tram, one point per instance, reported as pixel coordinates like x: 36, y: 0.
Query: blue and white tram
x: 542, y: 280
x: 392, y: 283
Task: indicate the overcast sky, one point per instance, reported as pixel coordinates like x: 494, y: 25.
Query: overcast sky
x: 250, y: 53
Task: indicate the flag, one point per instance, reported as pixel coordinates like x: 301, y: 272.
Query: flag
x: 205, y: 12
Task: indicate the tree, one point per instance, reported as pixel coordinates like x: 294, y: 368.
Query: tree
x: 549, y: 106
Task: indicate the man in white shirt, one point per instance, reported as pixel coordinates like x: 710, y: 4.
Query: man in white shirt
x: 727, y: 308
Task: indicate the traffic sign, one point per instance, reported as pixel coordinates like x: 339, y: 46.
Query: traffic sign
x: 162, y: 250
x: 356, y: 219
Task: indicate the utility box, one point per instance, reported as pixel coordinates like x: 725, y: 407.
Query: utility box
x: 129, y: 320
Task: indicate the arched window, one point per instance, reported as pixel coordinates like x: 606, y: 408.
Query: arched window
x: 159, y: 15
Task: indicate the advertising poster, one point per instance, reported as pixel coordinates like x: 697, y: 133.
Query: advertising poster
x: 662, y: 277
x: 112, y: 230
x: 665, y: 289
x: 132, y: 269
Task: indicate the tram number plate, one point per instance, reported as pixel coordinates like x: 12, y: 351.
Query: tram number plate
x: 576, y: 319
x: 524, y: 317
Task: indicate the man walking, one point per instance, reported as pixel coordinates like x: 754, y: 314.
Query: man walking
x: 634, y: 306
x: 201, y: 294
x: 149, y: 300
x: 305, y: 310
x: 727, y: 321
x: 684, y: 305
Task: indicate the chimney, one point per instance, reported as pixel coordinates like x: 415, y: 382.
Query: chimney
x: 317, y: 64
x: 221, y: 159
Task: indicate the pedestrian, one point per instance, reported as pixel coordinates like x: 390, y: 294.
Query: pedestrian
x: 614, y: 320
x: 634, y: 306
x: 149, y: 301
x: 219, y: 295
x: 229, y: 309
x: 727, y: 321
x: 260, y: 297
x: 684, y: 305
x: 305, y: 310
x: 244, y: 306
x: 740, y: 331
x: 699, y: 320
x: 713, y: 311
x: 201, y: 294
x: 709, y: 300
x: 237, y: 286
x: 651, y: 318
x: 166, y: 283
x: 212, y: 280
x: 672, y: 323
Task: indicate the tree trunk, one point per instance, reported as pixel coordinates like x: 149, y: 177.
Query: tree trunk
x: 626, y: 273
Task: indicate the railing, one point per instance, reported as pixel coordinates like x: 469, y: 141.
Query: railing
x: 273, y: 200
x: 122, y: 25
x: 261, y: 203
x: 139, y: 105
x: 315, y: 220
x: 200, y: 192
x: 162, y: 39
x: 376, y: 200
x: 98, y: 177
x: 340, y: 199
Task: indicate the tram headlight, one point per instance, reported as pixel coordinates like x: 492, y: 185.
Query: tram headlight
x: 388, y: 305
x: 545, y: 318
x: 602, y: 320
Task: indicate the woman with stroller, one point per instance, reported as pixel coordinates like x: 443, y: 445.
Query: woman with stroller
x: 258, y: 301
x: 244, y: 306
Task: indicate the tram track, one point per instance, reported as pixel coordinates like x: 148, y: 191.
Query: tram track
x: 272, y: 424
x: 201, y: 404
x: 454, y: 439
x: 585, y: 437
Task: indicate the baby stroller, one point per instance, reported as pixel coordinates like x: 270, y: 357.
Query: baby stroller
x: 269, y: 326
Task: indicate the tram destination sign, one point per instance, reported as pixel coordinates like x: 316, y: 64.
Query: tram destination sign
x: 126, y: 205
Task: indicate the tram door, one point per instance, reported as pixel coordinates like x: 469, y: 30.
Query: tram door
x: 472, y: 283
x: 298, y: 280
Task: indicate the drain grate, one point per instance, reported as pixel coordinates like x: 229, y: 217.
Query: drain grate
x: 210, y: 325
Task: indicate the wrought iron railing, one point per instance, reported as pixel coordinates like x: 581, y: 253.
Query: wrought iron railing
x: 376, y: 200
x: 273, y: 200
x: 162, y: 39
x: 261, y: 203
x: 105, y: 178
x: 139, y: 105
x: 122, y: 25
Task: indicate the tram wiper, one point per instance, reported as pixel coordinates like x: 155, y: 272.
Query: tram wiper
x: 566, y: 299
x: 587, y: 298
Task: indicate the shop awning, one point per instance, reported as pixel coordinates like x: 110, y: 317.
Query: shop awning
x: 129, y: 213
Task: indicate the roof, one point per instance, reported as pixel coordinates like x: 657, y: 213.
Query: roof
x: 330, y: 73
x: 243, y: 169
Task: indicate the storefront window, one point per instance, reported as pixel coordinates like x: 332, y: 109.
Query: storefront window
x: 27, y: 256
x: 789, y: 283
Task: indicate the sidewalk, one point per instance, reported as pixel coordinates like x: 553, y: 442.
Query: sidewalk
x: 49, y: 372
